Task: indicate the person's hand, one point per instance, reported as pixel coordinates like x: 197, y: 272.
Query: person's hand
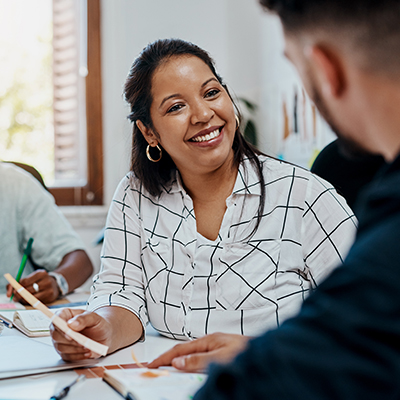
x: 89, y: 324
x: 40, y: 284
x: 198, y: 354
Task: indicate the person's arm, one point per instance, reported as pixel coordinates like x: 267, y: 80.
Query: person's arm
x: 121, y: 280
x: 198, y: 354
x: 328, y: 229
x: 56, y: 247
x: 75, y: 267
x: 114, y: 327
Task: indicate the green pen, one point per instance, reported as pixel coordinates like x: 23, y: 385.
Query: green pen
x: 27, y: 252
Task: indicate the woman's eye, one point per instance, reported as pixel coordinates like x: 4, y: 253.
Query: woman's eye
x: 176, y: 107
x: 212, y: 93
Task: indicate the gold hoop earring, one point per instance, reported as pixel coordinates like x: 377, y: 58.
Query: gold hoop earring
x: 237, y: 121
x: 149, y: 156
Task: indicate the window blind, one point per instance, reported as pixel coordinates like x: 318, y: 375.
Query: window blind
x: 69, y: 109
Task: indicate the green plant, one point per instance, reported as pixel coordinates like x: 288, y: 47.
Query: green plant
x: 248, y: 124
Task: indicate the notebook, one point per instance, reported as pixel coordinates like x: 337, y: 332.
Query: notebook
x: 32, y: 323
x: 133, y: 384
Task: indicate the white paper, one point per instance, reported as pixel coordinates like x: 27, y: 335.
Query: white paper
x: 24, y: 356
x: 33, y: 320
x: 175, y: 386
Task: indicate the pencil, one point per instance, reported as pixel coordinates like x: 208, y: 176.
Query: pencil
x: 25, y: 256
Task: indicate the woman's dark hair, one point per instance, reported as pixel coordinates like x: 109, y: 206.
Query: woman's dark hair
x: 137, y: 91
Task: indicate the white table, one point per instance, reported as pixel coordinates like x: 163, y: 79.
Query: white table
x: 43, y: 386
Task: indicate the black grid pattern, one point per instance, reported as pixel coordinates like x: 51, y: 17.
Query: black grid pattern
x: 155, y: 264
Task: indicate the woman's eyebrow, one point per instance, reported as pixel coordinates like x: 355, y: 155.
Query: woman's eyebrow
x: 169, y: 97
x: 209, y: 80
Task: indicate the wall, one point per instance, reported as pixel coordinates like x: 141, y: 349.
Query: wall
x: 296, y: 138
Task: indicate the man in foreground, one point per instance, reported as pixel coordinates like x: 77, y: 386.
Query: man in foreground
x: 345, y: 342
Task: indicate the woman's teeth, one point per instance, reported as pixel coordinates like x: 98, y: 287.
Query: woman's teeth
x: 207, y: 137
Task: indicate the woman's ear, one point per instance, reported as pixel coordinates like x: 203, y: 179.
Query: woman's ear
x: 147, y: 133
x: 330, y: 70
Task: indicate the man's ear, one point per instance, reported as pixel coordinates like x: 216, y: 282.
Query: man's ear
x: 147, y: 133
x: 329, y: 70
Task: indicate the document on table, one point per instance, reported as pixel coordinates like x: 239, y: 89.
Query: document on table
x: 7, y: 305
x: 77, y: 297
x: 22, y: 356
x: 136, y: 383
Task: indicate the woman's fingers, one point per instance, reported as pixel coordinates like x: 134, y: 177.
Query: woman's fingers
x: 89, y: 324
x: 68, y: 349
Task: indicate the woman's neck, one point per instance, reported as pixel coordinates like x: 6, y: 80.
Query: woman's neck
x: 209, y: 192
x: 204, y: 187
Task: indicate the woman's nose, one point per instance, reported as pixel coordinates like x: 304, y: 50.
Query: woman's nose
x: 201, y: 112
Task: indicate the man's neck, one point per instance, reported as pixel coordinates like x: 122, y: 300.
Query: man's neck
x: 379, y: 112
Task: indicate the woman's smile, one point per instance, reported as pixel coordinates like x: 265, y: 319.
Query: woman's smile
x: 207, y: 136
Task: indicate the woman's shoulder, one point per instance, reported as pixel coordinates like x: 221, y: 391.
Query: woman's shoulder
x: 298, y: 177
x: 281, y: 168
x: 131, y: 184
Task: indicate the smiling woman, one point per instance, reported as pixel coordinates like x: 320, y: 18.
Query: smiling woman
x: 196, y: 126
x: 205, y: 234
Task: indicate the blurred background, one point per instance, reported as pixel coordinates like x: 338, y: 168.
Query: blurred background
x: 63, y: 64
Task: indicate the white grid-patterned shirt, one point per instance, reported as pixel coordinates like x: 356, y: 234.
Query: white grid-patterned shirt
x: 155, y: 263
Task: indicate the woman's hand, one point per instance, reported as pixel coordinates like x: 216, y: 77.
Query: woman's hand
x: 113, y: 326
x: 198, y: 354
x: 40, y: 284
x: 89, y: 324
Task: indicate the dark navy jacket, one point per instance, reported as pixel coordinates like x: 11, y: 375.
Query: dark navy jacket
x: 345, y: 342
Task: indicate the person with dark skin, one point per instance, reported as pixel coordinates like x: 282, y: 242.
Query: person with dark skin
x: 58, y: 262
x: 345, y: 341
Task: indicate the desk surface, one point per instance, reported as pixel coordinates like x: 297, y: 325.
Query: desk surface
x: 42, y: 387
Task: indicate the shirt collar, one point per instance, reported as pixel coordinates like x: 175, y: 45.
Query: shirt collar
x: 175, y: 185
x: 247, y: 181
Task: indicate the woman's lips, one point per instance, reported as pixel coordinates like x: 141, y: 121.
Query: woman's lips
x: 211, y: 139
x: 209, y: 136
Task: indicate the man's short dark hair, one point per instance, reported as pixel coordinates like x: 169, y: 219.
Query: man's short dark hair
x: 372, y: 26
